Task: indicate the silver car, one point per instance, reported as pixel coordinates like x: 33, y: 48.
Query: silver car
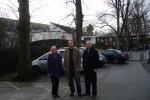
x: 39, y: 64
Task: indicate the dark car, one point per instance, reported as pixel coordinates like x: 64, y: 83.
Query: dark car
x: 116, y: 56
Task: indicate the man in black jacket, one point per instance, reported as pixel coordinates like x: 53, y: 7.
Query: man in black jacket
x: 90, y: 65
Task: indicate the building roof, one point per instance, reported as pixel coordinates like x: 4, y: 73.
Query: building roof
x: 65, y: 28
x: 35, y: 27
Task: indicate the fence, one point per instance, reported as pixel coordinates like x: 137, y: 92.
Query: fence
x: 9, y: 58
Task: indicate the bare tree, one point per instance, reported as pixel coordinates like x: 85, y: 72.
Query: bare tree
x: 77, y: 19
x: 139, y: 20
x: 7, y: 31
x: 125, y: 16
x: 3, y: 25
x: 119, y: 14
x: 26, y: 71
x: 88, y: 30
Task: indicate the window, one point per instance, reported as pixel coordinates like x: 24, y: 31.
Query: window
x: 109, y: 52
x: 81, y: 53
x: 44, y: 57
x: 62, y: 53
x: 106, y: 52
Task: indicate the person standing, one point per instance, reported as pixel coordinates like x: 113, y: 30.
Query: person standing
x: 72, y: 67
x: 90, y: 65
x: 148, y: 58
x: 54, y: 69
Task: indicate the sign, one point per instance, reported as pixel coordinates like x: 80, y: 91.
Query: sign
x: 137, y: 36
x: 93, y: 40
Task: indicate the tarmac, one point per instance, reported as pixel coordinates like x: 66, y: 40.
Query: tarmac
x: 41, y: 89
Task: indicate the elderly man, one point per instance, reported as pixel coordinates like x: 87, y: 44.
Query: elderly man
x: 72, y: 67
x: 90, y: 65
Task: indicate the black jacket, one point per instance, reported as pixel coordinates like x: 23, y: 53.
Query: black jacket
x: 91, y: 59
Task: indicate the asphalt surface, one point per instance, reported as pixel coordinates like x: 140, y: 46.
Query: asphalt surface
x: 128, y: 81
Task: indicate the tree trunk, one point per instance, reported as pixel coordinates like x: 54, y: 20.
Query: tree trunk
x: 118, y: 22
x: 25, y: 71
x: 79, y: 21
x: 118, y: 42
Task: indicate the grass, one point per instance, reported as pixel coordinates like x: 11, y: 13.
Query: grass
x: 8, y: 77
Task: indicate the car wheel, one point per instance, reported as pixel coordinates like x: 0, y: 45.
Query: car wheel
x: 116, y: 60
x: 36, y: 70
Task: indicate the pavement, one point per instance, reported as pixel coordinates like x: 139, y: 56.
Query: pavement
x: 138, y: 56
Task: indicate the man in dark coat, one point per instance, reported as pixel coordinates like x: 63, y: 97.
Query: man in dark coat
x: 90, y: 65
x: 72, y: 67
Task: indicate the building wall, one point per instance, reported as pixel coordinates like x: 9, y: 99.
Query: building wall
x: 50, y: 35
x: 53, y: 33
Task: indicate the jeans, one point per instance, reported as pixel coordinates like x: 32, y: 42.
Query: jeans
x: 71, y: 83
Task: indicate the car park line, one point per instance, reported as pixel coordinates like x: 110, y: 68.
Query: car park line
x: 42, y: 87
x: 65, y: 88
x: 17, y: 88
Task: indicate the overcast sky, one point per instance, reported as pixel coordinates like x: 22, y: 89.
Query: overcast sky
x: 45, y: 11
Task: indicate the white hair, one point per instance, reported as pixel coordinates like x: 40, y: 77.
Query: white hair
x: 52, y: 48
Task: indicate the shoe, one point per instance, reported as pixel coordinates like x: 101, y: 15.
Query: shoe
x: 58, y: 95
x: 86, y: 94
x: 79, y: 94
x: 93, y: 96
x: 72, y: 94
x: 54, y: 96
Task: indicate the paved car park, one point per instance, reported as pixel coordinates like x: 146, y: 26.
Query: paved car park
x: 127, y: 81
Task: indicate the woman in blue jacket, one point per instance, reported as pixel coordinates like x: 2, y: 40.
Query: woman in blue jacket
x: 54, y: 69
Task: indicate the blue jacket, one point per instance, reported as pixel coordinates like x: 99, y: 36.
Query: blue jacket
x: 54, y: 65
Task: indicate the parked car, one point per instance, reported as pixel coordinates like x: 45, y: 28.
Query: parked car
x: 39, y: 64
x: 102, y: 59
x: 116, y: 56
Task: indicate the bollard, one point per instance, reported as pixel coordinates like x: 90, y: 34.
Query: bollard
x: 136, y: 49
x: 130, y: 53
x: 124, y: 48
x: 101, y: 49
x: 143, y: 55
x: 140, y: 56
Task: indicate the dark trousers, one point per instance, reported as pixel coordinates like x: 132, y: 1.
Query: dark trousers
x: 55, y: 83
x: 90, y: 79
x: 71, y: 83
x: 149, y: 59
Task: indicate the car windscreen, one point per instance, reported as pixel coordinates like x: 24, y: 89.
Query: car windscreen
x: 62, y: 53
x: 44, y: 57
x: 81, y: 53
x: 118, y: 51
